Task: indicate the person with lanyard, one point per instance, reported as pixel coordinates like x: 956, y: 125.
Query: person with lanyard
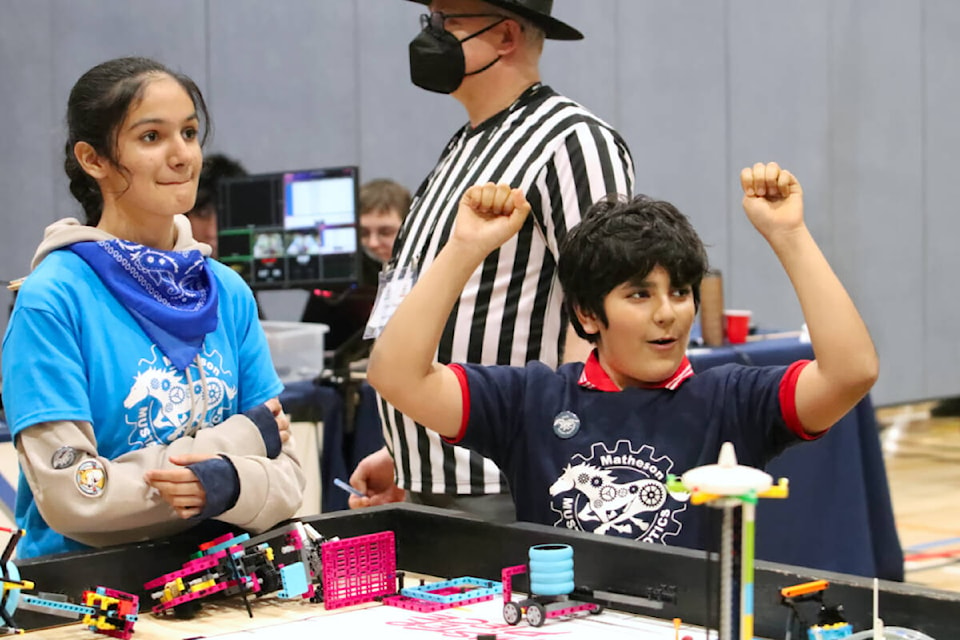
x: 486, y: 54
x: 137, y: 380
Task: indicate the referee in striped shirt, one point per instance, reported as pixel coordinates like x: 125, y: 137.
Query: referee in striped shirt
x: 486, y: 55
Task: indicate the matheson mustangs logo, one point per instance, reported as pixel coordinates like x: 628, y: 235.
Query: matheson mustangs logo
x: 618, y: 491
x: 164, y: 404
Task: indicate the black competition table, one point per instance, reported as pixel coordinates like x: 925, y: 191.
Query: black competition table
x: 441, y: 543
x: 838, y: 516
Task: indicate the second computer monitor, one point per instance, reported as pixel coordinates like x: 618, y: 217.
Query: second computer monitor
x: 296, y: 229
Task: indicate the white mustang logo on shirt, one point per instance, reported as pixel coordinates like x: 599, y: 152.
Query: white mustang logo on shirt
x: 174, y: 406
x: 616, y: 505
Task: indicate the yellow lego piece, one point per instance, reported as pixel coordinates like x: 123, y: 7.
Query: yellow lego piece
x: 172, y: 589
x: 206, y: 584
x: 779, y: 490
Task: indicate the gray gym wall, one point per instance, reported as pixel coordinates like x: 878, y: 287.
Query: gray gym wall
x: 857, y: 97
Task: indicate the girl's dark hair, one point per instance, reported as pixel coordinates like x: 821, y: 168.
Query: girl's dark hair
x: 98, y: 104
x: 621, y: 240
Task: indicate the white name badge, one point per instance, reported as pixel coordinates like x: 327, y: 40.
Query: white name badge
x: 394, y: 286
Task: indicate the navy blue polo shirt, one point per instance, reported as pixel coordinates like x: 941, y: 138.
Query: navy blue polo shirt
x: 582, y: 454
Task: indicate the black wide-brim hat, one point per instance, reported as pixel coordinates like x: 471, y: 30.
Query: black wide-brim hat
x: 537, y: 12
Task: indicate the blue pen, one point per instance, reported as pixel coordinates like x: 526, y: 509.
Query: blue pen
x: 346, y: 487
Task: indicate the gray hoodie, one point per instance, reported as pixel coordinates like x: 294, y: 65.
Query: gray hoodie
x: 70, y: 230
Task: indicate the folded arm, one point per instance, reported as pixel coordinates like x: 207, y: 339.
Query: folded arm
x: 129, y: 508
x: 270, y: 490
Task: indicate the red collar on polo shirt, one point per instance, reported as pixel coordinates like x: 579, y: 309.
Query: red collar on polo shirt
x: 594, y: 377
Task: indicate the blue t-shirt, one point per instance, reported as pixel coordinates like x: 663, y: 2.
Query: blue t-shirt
x: 72, y: 352
x: 596, y: 461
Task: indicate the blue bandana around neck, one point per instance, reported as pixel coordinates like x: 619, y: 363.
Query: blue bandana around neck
x: 170, y: 294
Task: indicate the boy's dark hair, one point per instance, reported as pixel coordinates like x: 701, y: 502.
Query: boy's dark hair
x: 98, y: 103
x: 384, y: 194
x: 619, y: 240
x: 216, y: 167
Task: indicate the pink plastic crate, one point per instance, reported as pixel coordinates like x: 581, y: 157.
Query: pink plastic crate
x: 360, y: 569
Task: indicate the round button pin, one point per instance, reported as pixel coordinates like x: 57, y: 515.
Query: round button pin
x: 566, y: 424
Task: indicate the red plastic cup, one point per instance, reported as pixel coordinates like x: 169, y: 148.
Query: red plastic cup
x: 736, y: 325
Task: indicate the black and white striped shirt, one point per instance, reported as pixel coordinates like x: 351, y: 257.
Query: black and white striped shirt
x: 510, y: 311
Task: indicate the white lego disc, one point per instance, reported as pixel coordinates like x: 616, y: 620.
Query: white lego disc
x: 726, y: 478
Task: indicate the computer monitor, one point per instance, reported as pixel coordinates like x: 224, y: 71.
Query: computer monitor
x: 295, y: 229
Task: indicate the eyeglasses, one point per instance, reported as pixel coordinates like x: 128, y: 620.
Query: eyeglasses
x: 437, y: 19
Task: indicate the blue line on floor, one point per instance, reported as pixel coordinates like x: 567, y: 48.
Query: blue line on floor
x: 929, y: 545
x: 8, y: 497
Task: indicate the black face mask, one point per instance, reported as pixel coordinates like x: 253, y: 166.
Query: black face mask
x: 437, y: 62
